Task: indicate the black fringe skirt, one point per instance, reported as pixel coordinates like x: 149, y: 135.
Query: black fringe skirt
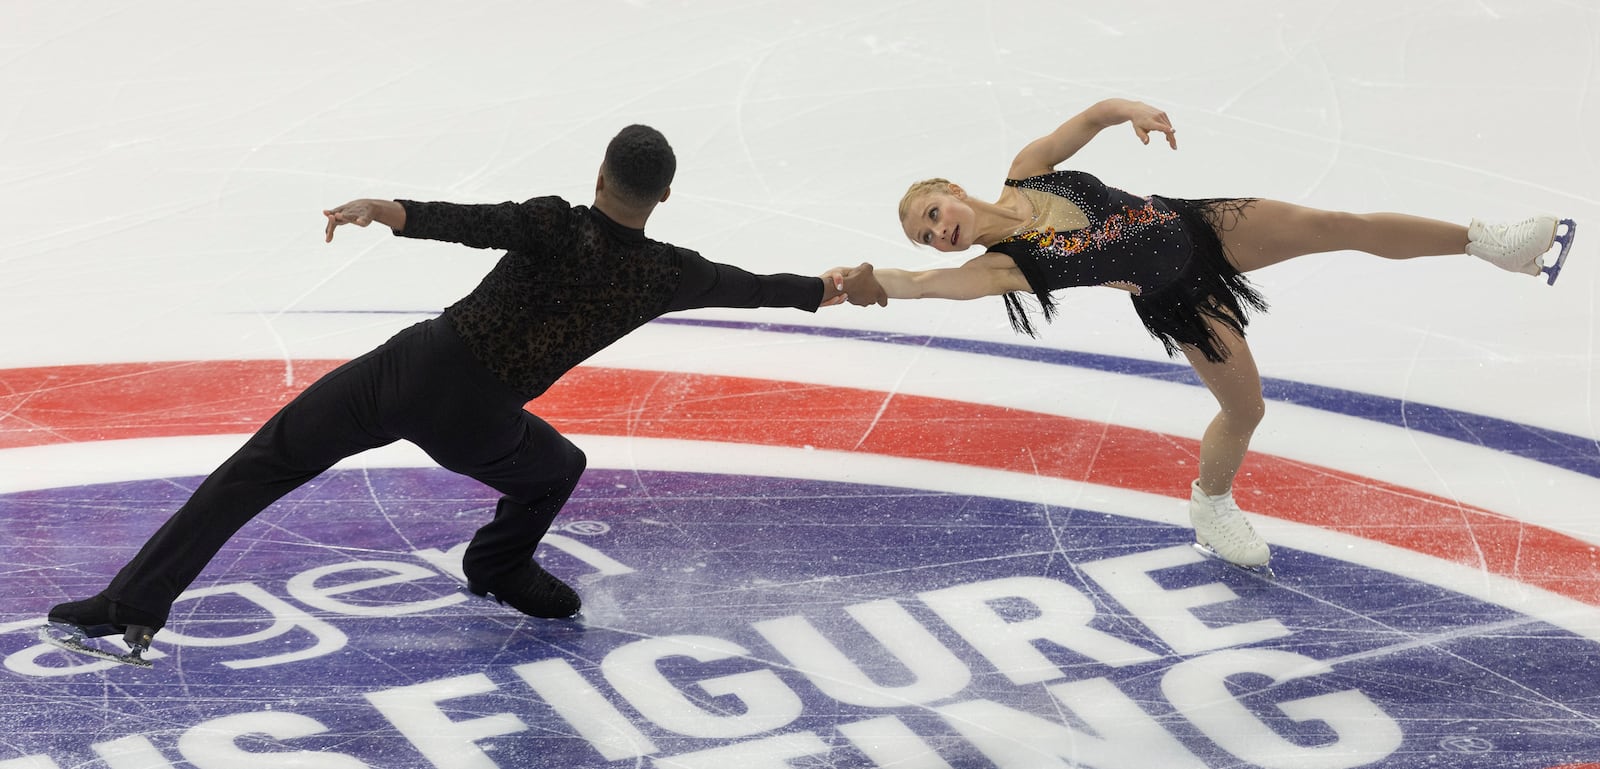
x: 1209, y: 288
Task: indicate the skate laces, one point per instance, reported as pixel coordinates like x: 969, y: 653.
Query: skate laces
x: 1228, y: 522
x: 1518, y: 242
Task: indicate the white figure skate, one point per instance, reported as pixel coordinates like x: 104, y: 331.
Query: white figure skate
x: 1521, y: 246
x: 1221, y: 532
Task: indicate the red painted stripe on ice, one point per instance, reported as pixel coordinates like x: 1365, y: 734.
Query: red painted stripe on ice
x: 137, y: 400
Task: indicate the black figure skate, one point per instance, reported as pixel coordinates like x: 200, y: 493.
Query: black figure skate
x: 71, y: 625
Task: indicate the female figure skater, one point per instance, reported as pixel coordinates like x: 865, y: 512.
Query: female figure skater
x: 1183, y: 263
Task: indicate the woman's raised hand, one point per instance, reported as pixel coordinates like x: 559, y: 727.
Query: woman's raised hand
x: 1146, y: 119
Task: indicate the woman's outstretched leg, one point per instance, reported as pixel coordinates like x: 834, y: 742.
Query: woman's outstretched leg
x: 1266, y: 232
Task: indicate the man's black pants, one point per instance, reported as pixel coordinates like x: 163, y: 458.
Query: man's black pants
x: 422, y: 385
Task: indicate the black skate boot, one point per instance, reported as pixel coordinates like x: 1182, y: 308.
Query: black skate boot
x: 72, y: 624
x: 528, y: 589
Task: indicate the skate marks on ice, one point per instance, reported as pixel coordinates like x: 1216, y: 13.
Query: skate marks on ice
x: 951, y: 589
x: 789, y: 619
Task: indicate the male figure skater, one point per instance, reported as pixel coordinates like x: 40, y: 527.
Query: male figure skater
x: 573, y: 280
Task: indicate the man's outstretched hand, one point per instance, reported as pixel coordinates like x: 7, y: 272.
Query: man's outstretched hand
x: 861, y: 288
x: 364, y: 212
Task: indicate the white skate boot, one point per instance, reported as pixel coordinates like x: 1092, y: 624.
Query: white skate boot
x: 1521, y: 246
x: 1221, y: 531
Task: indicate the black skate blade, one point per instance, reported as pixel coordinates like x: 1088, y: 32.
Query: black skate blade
x: 1264, y: 570
x: 1565, y: 239
x: 73, y: 639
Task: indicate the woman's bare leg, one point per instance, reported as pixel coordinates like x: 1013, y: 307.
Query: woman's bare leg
x: 1236, y: 384
x: 1220, y: 527
x: 1269, y: 231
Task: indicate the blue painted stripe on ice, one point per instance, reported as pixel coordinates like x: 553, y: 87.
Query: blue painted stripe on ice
x: 1551, y: 447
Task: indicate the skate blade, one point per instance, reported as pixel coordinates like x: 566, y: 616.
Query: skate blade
x: 489, y: 595
x: 1264, y: 570
x: 73, y: 639
x: 1565, y: 239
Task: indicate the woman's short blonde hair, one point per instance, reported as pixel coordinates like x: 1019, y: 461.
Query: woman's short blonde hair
x: 924, y: 187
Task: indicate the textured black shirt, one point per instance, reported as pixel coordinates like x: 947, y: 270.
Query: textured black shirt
x: 572, y: 281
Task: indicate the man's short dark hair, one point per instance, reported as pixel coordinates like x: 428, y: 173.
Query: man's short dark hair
x: 639, y: 164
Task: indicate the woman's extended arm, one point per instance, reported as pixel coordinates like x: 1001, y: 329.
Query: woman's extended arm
x: 1042, y: 155
x: 986, y: 275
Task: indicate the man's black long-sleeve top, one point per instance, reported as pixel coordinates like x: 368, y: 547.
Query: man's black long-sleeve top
x: 573, y: 281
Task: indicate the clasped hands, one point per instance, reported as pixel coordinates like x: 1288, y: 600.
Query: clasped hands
x: 855, y: 285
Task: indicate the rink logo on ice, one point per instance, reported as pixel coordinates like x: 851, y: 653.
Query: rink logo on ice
x: 739, y: 620
x: 763, y: 622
